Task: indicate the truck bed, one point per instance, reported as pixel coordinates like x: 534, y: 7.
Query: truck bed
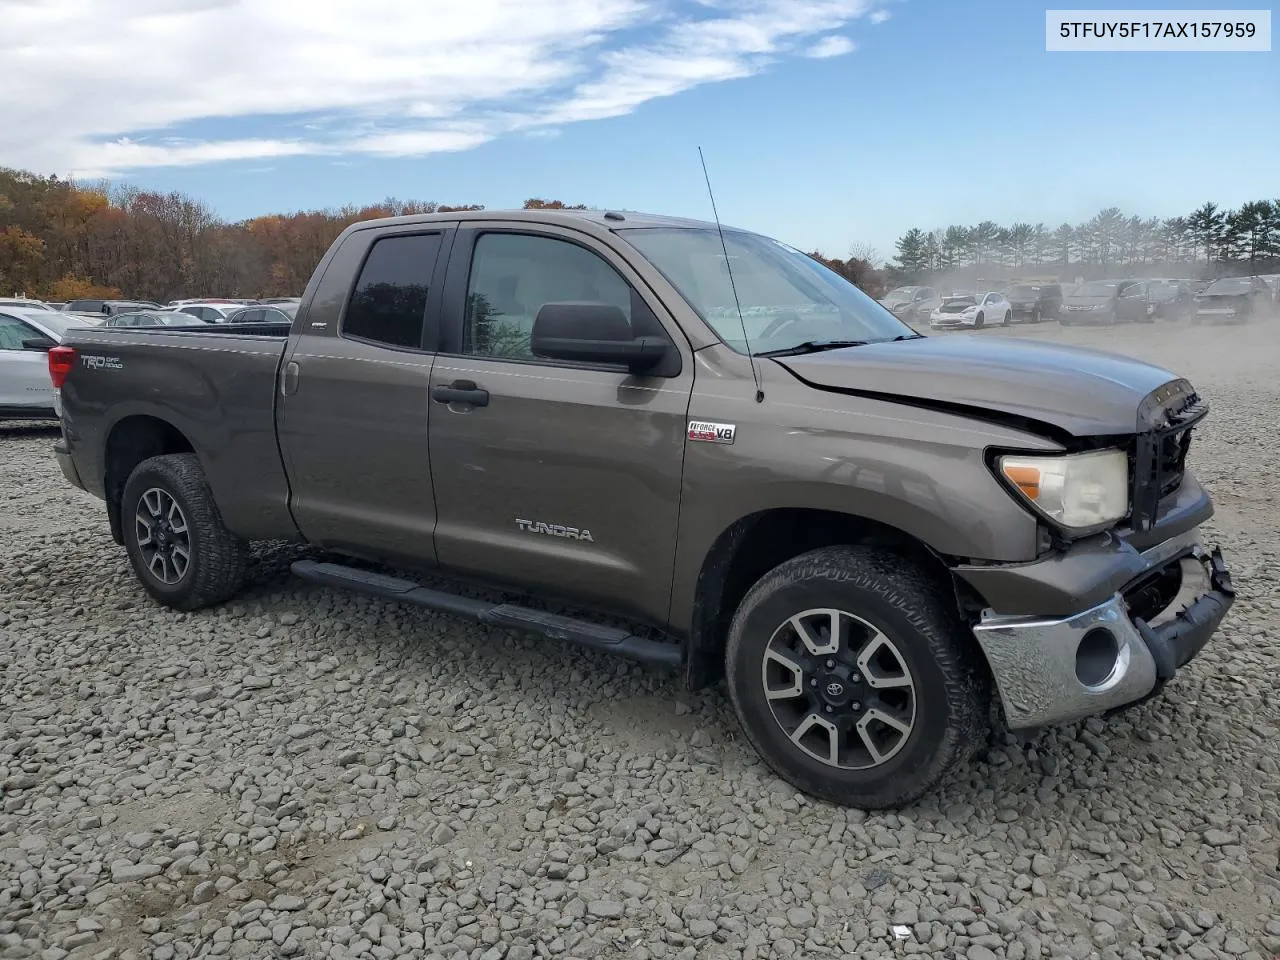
x: 215, y: 383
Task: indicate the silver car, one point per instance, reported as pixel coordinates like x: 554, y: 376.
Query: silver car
x: 26, y: 334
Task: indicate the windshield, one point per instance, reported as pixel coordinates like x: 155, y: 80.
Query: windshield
x: 900, y: 293
x: 1095, y: 289
x: 787, y: 297
x: 1230, y: 285
x: 1024, y: 291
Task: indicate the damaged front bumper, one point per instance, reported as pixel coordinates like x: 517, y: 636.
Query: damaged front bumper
x: 1116, y: 653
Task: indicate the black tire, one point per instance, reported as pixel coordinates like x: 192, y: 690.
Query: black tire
x: 950, y: 682
x: 216, y: 558
x: 1036, y: 315
x: 1008, y: 318
x: 978, y: 321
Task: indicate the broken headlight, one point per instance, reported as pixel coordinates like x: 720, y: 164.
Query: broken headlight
x: 1081, y: 493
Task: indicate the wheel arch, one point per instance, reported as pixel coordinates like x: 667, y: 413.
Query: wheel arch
x: 132, y: 439
x: 754, y: 544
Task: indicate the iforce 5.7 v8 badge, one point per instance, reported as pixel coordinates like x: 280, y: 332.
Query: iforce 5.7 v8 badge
x: 711, y: 432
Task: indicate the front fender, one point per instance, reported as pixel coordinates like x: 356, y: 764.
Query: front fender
x: 921, y: 472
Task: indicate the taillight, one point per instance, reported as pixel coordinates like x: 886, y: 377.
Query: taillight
x: 61, y: 362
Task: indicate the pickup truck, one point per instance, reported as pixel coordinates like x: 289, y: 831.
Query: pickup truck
x: 760, y: 475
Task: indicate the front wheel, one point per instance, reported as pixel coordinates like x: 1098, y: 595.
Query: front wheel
x: 180, y: 549
x: 1008, y: 318
x: 1036, y: 315
x: 854, y: 678
x: 978, y: 321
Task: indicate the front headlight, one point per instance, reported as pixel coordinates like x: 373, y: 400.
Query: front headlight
x: 1081, y: 492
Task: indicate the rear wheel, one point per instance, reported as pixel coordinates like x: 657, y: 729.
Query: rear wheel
x: 180, y: 549
x: 854, y: 678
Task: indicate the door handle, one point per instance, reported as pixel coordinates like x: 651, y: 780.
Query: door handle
x: 289, y: 382
x: 461, y: 391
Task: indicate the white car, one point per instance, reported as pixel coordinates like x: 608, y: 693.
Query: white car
x: 24, y: 303
x: 26, y: 392
x: 990, y: 309
x: 209, y: 311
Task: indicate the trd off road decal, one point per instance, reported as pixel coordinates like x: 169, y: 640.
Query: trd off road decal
x: 712, y: 432
x: 94, y: 362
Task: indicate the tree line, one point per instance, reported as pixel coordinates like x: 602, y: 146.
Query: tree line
x: 1209, y: 241
x: 61, y: 240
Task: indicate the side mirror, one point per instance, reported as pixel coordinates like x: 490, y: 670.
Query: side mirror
x: 39, y: 343
x: 593, y: 333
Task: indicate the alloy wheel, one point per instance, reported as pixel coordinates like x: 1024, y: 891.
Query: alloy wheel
x: 839, y: 688
x: 163, y: 537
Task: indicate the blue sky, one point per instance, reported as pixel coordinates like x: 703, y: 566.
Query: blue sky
x: 943, y: 112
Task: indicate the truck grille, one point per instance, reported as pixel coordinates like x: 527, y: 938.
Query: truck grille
x: 1159, y: 459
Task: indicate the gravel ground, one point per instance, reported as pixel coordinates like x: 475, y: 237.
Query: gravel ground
x: 308, y: 773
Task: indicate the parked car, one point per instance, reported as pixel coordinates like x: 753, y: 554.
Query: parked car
x: 968, y: 311
x: 912, y: 303
x: 282, y: 312
x: 1033, y: 302
x: 1235, y: 300
x: 1273, y: 281
x: 22, y: 303
x: 1106, y: 301
x: 109, y: 307
x: 151, y: 318
x: 1171, y: 299
x: 210, y: 312
x: 869, y: 534
x: 26, y: 334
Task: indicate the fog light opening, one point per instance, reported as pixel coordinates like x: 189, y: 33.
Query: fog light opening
x: 1097, y: 657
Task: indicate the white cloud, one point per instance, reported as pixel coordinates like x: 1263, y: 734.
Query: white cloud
x: 879, y: 16
x: 833, y: 46
x: 278, y: 78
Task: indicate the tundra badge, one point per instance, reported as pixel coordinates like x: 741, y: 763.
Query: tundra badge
x: 712, y: 432
x: 554, y: 530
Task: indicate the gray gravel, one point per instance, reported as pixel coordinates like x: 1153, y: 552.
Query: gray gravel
x: 305, y: 773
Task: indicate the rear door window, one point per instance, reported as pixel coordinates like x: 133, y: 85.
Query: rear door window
x: 389, y: 302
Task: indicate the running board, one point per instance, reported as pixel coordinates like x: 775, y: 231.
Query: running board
x: 512, y: 616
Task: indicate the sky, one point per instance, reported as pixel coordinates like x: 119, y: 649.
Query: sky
x: 824, y: 123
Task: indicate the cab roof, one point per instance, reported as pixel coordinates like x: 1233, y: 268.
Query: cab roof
x: 601, y: 219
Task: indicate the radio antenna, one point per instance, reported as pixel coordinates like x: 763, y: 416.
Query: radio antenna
x: 751, y: 359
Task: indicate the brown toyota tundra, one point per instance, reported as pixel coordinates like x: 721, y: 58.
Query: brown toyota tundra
x: 870, y: 535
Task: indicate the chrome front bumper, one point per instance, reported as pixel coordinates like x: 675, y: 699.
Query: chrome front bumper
x: 1053, y: 671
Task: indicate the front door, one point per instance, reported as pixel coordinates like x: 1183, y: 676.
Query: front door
x: 24, y: 374
x: 1133, y: 302
x: 354, y: 408
x: 560, y: 476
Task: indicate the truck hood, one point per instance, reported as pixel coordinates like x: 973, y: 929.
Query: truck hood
x: 1072, y: 390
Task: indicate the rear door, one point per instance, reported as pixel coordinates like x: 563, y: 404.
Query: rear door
x: 354, y: 411
x: 24, y: 374
x: 563, y: 477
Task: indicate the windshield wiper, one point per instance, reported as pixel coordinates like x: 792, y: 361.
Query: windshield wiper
x: 812, y: 346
